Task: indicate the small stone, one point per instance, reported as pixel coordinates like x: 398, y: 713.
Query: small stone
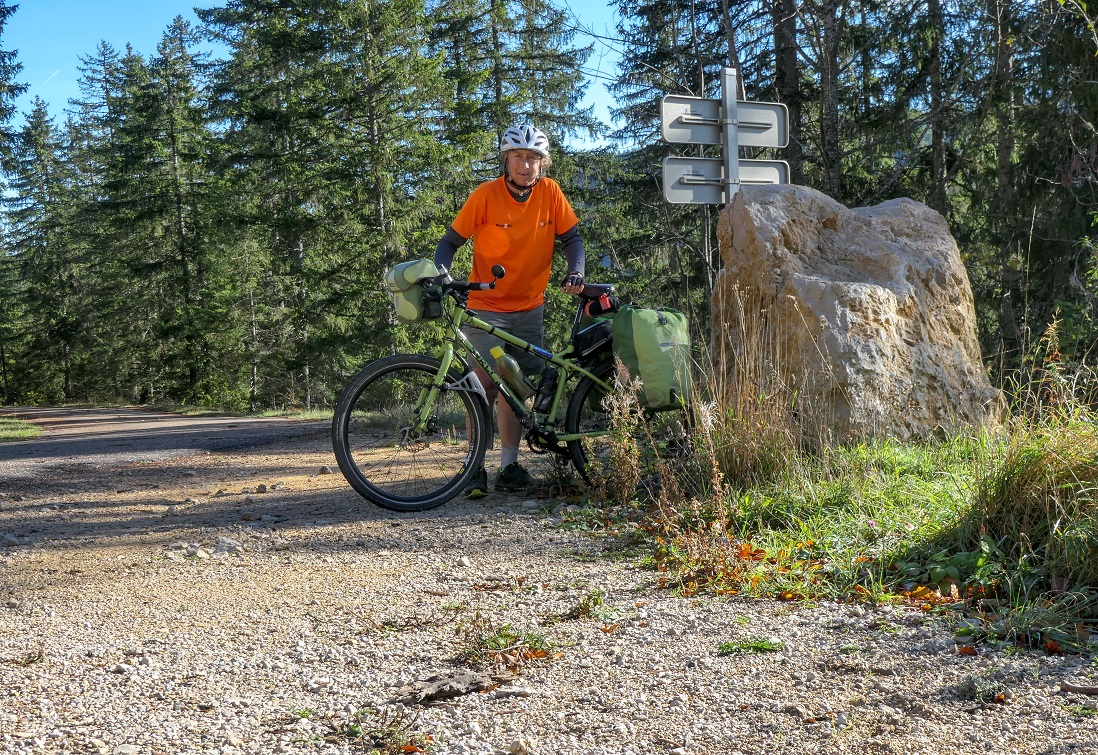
x: 12, y: 603
x: 10, y: 539
x: 521, y: 746
x: 189, y: 473
x: 126, y: 750
x: 464, y: 561
x: 261, y: 488
x: 122, y: 668
x: 325, y: 470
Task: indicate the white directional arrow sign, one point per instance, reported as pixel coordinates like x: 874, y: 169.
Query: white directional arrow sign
x: 700, y: 180
x: 732, y: 123
x: 697, y: 120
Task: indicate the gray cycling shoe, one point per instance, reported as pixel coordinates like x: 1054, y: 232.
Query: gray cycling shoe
x: 478, y: 486
x: 513, y: 478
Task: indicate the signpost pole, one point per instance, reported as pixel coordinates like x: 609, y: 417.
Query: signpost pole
x: 729, y: 124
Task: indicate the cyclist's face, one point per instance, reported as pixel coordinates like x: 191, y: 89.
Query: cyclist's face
x: 523, y: 166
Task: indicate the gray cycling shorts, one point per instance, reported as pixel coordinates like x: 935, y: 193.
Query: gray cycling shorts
x: 528, y: 325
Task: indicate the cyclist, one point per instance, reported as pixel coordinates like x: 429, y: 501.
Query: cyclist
x: 514, y: 221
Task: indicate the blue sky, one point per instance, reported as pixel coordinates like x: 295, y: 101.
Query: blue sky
x: 52, y: 35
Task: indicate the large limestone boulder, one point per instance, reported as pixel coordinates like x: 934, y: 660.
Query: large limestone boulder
x: 865, y: 316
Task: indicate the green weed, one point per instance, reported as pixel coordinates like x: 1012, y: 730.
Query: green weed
x: 504, y: 646
x: 17, y: 429
x: 381, y: 732
x: 750, y: 647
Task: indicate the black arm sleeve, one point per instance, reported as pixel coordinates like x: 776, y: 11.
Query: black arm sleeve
x: 573, y: 250
x: 447, y: 247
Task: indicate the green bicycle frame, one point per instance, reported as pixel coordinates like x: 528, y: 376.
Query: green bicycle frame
x: 454, y: 337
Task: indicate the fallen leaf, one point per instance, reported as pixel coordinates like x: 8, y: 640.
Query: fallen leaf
x: 608, y: 628
x: 1052, y: 646
x: 966, y: 650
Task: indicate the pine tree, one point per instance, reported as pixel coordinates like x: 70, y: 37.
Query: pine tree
x: 47, y: 360
x: 10, y: 88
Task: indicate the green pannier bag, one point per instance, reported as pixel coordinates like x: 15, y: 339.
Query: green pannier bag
x: 654, y: 345
x: 414, y: 299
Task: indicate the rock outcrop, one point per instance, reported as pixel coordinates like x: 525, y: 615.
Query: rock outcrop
x: 865, y: 315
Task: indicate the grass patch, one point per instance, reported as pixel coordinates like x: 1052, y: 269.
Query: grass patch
x: 750, y: 647
x: 501, y: 646
x: 378, y: 732
x: 17, y: 429
x: 1000, y: 529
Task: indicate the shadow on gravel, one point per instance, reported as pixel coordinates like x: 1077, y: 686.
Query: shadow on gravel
x: 109, y: 437
x: 297, y: 503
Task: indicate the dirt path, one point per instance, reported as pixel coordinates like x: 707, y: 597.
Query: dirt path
x: 202, y: 593
x: 111, y: 437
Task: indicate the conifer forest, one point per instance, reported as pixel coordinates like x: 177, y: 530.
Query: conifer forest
x: 212, y: 228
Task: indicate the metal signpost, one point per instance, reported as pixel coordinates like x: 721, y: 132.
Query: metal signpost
x: 730, y: 123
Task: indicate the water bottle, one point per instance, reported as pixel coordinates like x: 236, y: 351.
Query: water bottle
x: 543, y: 399
x: 512, y: 374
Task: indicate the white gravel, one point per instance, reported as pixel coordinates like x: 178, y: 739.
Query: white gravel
x: 246, y: 622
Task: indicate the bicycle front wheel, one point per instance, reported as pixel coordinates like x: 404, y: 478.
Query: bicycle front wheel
x: 650, y: 434
x: 378, y: 449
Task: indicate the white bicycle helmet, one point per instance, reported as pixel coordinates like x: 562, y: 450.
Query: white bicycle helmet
x: 524, y: 137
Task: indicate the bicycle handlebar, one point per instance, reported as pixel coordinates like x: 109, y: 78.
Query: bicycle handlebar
x: 590, y: 290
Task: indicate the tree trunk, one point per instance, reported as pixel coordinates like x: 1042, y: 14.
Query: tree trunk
x: 787, y: 80
x: 937, y: 198
x: 829, y: 99
x: 1005, y: 224
x: 5, y: 397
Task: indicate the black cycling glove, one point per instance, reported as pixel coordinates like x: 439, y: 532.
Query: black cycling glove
x: 572, y: 279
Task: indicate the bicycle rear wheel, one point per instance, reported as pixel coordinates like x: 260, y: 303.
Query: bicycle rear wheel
x: 664, y: 434
x: 380, y: 454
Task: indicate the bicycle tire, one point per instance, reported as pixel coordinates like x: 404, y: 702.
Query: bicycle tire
x: 666, y: 432
x: 370, y: 435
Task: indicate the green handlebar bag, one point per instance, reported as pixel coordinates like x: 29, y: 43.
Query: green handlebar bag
x: 415, y: 297
x: 654, y: 345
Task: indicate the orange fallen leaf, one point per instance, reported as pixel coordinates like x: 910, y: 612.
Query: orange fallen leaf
x: 1001, y: 699
x: 609, y: 628
x: 966, y: 650
x: 1052, y: 646
x: 748, y: 552
x: 410, y: 748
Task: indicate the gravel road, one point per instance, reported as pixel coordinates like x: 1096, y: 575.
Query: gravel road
x: 240, y: 598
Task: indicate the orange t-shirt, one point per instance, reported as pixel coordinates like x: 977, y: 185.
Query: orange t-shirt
x: 517, y: 235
